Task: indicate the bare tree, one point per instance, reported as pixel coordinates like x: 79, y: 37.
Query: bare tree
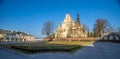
x: 85, y: 27
x: 48, y: 28
x: 109, y: 28
x: 100, y: 27
x: 118, y: 29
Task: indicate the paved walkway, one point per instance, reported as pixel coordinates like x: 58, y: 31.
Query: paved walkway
x: 99, y: 50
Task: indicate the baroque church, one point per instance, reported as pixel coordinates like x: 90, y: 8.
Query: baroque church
x: 70, y: 29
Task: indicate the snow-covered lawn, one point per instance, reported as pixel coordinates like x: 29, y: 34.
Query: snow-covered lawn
x: 99, y: 50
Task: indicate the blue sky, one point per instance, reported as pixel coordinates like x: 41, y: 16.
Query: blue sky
x: 29, y: 15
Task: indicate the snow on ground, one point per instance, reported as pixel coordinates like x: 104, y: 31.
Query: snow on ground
x: 99, y: 50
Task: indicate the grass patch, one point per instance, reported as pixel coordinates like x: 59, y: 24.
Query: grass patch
x: 71, y: 43
x: 40, y: 47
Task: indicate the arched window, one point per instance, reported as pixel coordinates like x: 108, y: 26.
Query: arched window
x: 12, y: 38
x: 7, y: 38
x: 17, y: 39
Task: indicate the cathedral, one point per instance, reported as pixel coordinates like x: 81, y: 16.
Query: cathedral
x: 70, y: 29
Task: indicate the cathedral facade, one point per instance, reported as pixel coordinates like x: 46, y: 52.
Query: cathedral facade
x: 70, y: 29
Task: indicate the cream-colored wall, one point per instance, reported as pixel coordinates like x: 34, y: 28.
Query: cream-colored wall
x: 1, y: 35
x: 18, y: 38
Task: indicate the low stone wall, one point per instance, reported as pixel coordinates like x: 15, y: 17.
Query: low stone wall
x: 75, y: 39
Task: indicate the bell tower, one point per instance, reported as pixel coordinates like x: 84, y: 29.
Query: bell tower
x: 78, y: 19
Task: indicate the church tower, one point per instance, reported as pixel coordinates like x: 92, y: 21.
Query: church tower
x: 78, y: 19
x: 67, y: 25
